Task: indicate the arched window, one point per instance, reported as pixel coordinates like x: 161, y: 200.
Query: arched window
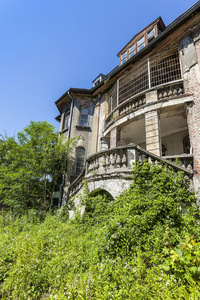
x: 80, y: 156
x: 186, y: 145
x: 66, y: 119
x: 84, y: 116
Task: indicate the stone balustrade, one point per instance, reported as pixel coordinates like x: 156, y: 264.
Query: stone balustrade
x: 132, y: 104
x: 119, y: 161
x: 108, y: 161
x: 169, y: 91
x: 184, y: 160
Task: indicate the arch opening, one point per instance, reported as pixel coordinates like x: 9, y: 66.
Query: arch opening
x: 101, y: 192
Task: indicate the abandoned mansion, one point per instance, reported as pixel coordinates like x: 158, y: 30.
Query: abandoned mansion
x: 147, y: 107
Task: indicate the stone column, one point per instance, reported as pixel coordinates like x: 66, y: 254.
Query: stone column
x: 114, y: 137
x: 152, y: 127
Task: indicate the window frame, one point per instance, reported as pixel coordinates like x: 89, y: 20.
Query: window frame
x: 141, y: 43
x: 132, y: 50
x: 80, y: 159
x: 150, y: 36
x: 123, y: 57
x: 83, y: 114
x: 66, y: 119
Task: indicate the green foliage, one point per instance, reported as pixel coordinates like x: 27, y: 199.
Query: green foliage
x: 143, y: 245
x: 31, y: 166
x: 150, y: 214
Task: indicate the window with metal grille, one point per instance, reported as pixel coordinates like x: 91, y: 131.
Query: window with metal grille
x: 84, y: 116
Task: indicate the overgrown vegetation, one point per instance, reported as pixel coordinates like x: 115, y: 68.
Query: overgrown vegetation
x: 144, y: 245
x: 31, y: 167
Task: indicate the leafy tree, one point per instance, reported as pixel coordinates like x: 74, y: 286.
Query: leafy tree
x: 31, y: 166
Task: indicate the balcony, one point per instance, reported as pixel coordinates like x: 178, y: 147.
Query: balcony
x: 161, y: 73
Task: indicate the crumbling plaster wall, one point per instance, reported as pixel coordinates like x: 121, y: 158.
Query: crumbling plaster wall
x: 85, y: 133
x: 191, y: 75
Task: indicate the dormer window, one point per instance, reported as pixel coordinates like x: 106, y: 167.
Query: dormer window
x: 98, y: 79
x: 141, y: 44
x: 123, y: 58
x: 150, y: 35
x: 132, y: 51
x: 97, y: 82
x: 141, y: 39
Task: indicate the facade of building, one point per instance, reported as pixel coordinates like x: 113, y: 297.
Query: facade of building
x: 151, y: 99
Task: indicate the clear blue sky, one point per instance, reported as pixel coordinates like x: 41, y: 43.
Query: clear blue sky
x: 48, y: 46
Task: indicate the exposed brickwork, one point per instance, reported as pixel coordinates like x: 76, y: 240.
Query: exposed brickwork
x: 192, y: 85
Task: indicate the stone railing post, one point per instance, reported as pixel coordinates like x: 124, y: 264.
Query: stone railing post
x: 131, y: 156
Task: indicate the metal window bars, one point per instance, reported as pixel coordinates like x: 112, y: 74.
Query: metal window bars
x: 150, y: 73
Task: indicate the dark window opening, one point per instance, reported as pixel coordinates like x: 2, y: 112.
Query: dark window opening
x: 186, y: 145
x: 164, y: 150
